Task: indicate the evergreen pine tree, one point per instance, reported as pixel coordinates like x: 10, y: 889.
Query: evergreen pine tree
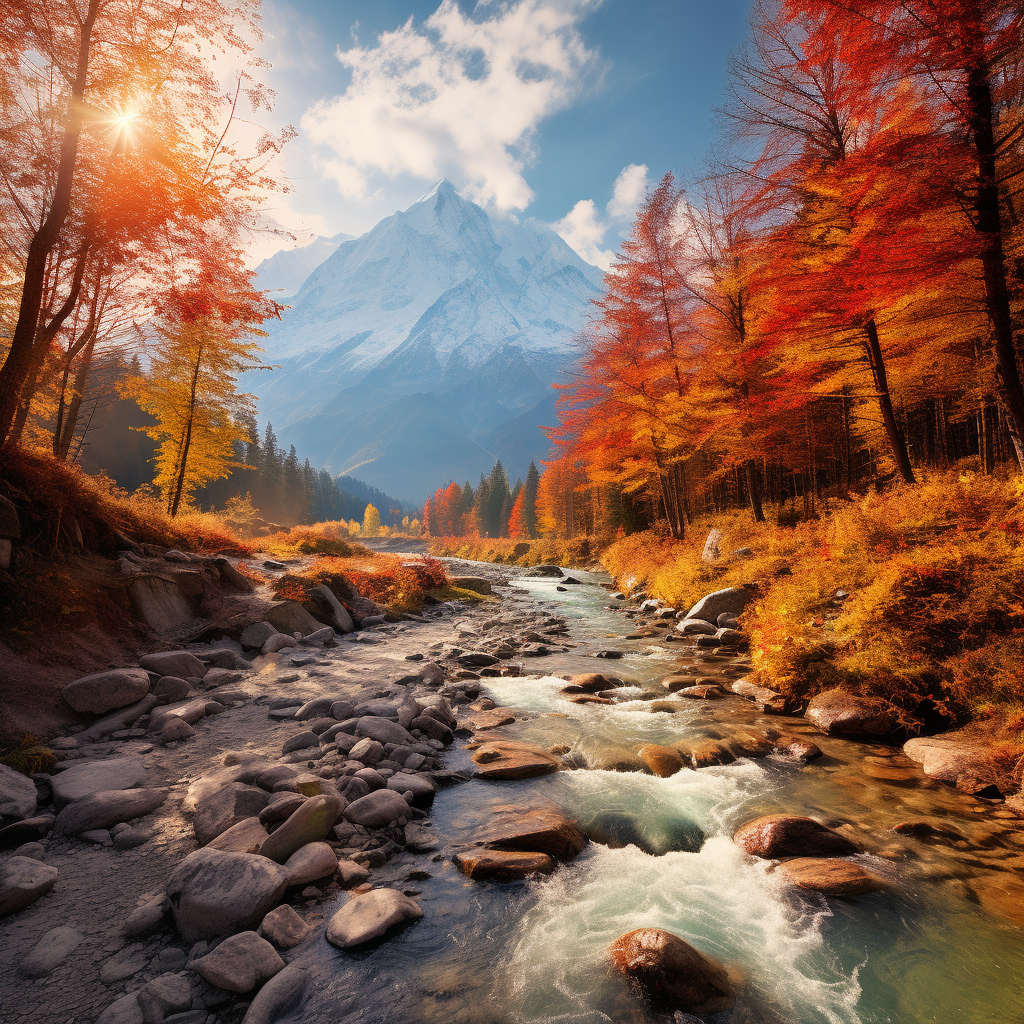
x: 530, y: 501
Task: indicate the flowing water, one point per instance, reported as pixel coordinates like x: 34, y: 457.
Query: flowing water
x: 922, y: 950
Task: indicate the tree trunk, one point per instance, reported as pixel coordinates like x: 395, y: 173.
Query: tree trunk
x: 65, y: 430
x: 993, y: 261
x: 892, y: 430
x: 754, y: 492
x: 18, y: 365
x: 186, y: 442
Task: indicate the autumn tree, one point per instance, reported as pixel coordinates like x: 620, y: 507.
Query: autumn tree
x: 371, y: 521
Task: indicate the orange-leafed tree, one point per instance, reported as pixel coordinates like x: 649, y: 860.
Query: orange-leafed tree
x: 517, y: 526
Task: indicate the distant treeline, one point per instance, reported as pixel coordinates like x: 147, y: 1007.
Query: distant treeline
x: 492, y: 510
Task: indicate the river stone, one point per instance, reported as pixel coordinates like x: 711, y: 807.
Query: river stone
x: 300, y: 741
x: 368, y: 751
x: 240, y: 963
x: 245, y: 836
x: 309, y: 823
x: 281, y: 807
x: 422, y: 789
x: 787, y: 835
x: 256, y: 634
x: 174, y: 663
x: 503, y: 865
x: 22, y: 881
x: 319, y: 707
x: 101, y: 810
x: 282, y: 995
x: 767, y: 700
x: 482, y: 720
x: 383, y: 730
x: 311, y: 863
x: 147, y: 918
x: 216, y: 893
x: 233, y: 802
x: 801, y: 749
x: 277, y: 642
x: 370, y: 916
x: 504, y: 759
x: 378, y: 809
x: 324, y: 605
x: 290, y: 617
x: 165, y: 995
x: 18, y: 796
x: 283, y: 926
x: 436, y: 730
x: 542, y: 831
x: 123, y: 719
x: 29, y: 829
x: 662, y: 761
x: 733, y: 600
x: 830, y: 877
x: 670, y: 972
x: 696, y: 627
x: 950, y: 756
x: 173, y: 688
x: 175, y: 729
x: 49, y: 951
x: 837, y: 713
x: 594, y: 682
x: 107, y: 691
x: 84, y: 778
x: 125, y: 1010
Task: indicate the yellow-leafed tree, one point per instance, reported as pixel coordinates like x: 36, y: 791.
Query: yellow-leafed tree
x: 371, y: 521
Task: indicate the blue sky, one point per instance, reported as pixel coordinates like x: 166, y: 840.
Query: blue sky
x: 563, y: 110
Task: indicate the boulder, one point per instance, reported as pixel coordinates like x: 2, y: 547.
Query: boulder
x: 56, y: 945
x: 708, y: 753
x: 165, y: 995
x: 662, y: 761
x: 383, y: 730
x: 18, y: 796
x: 225, y: 806
x: 669, y: 972
x: 283, y: 926
x: 173, y: 688
x: 146, y: 919
x: 798, y: 747
x: 436, y: 730
x: 323, y: 605
x: 123, y: 719
x: 161, y: 603
x: 377, y: 809
x: 240, y: 963
x: 175, y: 729
x: 503, y: 865
x: 85, y: 778
x: 837, y: 713
x: 256, y: 634
x: 214, y: 893
x: 787, y: 835
x: 733, y: 600
x: 174, y: 663
x: 713, y: 546
x: 422, y: 789
x: 278, y: 642
x: 311, y: 863
x: 350, y: 873
x: 951, y: 756
x: 282, y: 995
x: 769, y: 701
x: 290, y: 617
x: 696, y: 627
x: 309, y: 823
x: 594, y: 682
x: 476, y: 584
x: 371, y: 916
x: 231, y: 577
x: 125, y: 1010
x: 541, y: 831
x: 101, y: 810
x: 830, y: 877
x: 505, y: 759
x: 22, y: 881
x: 245, y: 836
x: 107, y: 691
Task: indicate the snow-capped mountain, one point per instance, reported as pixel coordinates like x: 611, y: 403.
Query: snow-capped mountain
x: 283, y: 273
x: 426, y: 349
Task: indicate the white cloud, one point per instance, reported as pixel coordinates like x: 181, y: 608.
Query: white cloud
x: 460, y: 97
x: 585, y: 230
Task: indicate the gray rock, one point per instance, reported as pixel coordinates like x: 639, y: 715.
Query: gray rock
x: 436, y: 730
x: 34, y: 850
x: 29, y: 828
x: 729, y: 636
x: 173, y: 688
x: 282, y: 995
x: 256, y: 634
x: 282, y: 805
x: 215, y: 893
x: 122, y: 719
x: 350, y: 873
x: 174, y: 730
x: 371, y: 777
x: 951, y: 755
x: 101, y: 810
x: 174, y: 663
x: 278, y: 642
x: 325, y: 606
x: 383, y: 730
x: 733, y: 600
x: 146, y: 919
x: 342, y: 710
x: 319, y: 707
x: 422, y: 789
x: 696, y: 627
x: 284, y: 928
x: 107, y: 691
x: 123, y: 964
x: 224, y: 658
x: 240, y: 963
x: 56, y: 945
x: 99, y: 836
x: 85, y: 778
x: 378, y: 809
x: 129, y: 838
x: 310, y: 823
x: 368, y: 751
x: 371, y: 916
x: 311, y: 863
x: 713, y: 546
x: 301, y: 741
x: 164, y: 995
x: 245, y: 836
x: 420, y: 839
x: 216, y: 812
x: 125, y: 1010
x: 290, y: 617
x: 161, y: 602
x: 17, y: 794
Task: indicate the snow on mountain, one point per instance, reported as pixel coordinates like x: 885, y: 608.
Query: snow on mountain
x: 426, y: 349
x: 284, y: 272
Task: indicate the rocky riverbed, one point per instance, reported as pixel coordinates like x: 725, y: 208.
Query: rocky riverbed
x: 559, y: 805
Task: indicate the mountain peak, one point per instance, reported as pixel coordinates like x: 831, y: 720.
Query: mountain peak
x: 442, y: 188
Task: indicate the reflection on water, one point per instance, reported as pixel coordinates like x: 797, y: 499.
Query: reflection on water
x: 535, y: 952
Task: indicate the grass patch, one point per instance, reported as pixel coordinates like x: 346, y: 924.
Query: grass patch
x: 333, y: 538
x: 579, y: 552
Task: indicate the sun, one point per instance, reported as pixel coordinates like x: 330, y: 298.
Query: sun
x: 124, y: 120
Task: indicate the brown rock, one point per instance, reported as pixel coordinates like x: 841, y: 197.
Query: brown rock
x: 503, y: 865
x: 544, y: 831
x: 502, y: 759
x: 709, y: 753
x: 486, y: 720
x: 594, y: 682
x: 246, y: 836
x: 787, y: 835
x: 803, y: 750
x: 701, y: 692
x: 679, y: 682
x: 837, y: 713
x: 750, y: 743
x: 830, y: 877
x: 589, y: 698
x: 284, y: 928
x: 670, y: 972
x: 663, y: 761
